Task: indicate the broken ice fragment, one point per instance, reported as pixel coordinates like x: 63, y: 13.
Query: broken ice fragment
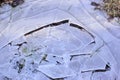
x: 56, y: 71
x: 95, y: 62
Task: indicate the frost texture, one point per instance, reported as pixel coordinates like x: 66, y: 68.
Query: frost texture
x: 57, y: 40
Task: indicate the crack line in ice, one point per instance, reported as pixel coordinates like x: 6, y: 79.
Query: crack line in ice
x: 107, y: 68
x: 49, y: 25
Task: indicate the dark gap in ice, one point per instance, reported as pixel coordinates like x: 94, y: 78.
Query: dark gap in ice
x: 59, y: 23
x: 49, y: 25
x: 81, y: 28
x: 92, y: 42
x: 36, y: 30
x: 20, y: 44
x: 76, y: 26
x: 79, y: 55
x: 107, y: 68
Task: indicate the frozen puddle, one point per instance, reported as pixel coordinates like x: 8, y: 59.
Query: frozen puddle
x: 56, y: 41
x: 58, y: 50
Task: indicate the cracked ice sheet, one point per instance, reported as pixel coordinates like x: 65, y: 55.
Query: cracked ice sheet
x: 54, y: 33
x: 43, y: 14
x: 17, y: 17
x: 38, y: 10
x: 112, y: 27
x: 44, y: 68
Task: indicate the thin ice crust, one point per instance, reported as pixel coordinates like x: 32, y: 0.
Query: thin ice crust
x: 57, y: 40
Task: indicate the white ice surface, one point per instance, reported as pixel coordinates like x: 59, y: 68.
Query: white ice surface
x: 60, y: 51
